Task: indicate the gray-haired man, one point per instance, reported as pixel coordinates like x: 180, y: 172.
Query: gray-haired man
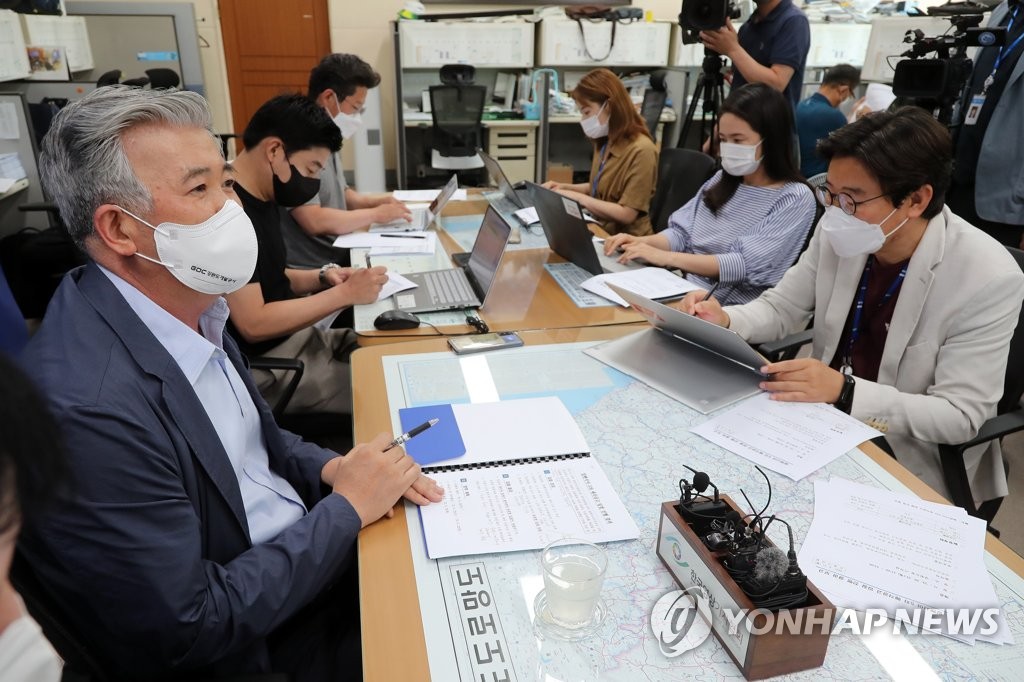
x: 197, y: 530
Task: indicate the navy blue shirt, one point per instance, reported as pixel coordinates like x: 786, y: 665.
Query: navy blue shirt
x: 815, y: 119
x: 783, y: 37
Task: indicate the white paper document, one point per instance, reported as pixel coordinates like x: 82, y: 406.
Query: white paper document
x: 425, y: 195
x: 793, y: 439
x: 395, y: 284
x: 387, y: 243
x: 870, y: 548
x: 649, y: 282
x: 514, y: 507
x: 527, y: 216
x: 527, y: 478
x: 6, y: 184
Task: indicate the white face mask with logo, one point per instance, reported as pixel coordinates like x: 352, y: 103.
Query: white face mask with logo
x: 739, y: 159
x: 217, y: 256
x: 850, y: 236
x: 348, y: 124
x: 592, y: 126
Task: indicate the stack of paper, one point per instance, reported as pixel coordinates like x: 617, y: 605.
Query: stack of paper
x: 869, y: 548
x: 387, y: 244
x: 651, y: 283
x: 793, y: 439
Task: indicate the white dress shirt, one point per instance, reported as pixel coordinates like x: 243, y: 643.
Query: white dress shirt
x: 271, y: 503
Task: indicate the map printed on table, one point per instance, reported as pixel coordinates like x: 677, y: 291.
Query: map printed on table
x: 641, y: 439
x: 571, y: 277
x: 464, y: 228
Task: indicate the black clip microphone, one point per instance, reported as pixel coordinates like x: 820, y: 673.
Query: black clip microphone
x: 701, y: 481
x: 700, y: 513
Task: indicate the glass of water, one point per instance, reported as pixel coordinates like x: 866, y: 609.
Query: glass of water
x: 570, y: 606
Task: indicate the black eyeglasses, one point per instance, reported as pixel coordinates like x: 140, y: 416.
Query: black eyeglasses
x: 847, y: 204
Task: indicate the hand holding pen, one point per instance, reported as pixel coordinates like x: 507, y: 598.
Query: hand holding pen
x: 410, y: 434
x: 704, y: 306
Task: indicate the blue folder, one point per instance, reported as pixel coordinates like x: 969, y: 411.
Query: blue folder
x: 440, y: 442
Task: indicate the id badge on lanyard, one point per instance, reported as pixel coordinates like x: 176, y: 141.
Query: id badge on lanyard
x: 978, y: 101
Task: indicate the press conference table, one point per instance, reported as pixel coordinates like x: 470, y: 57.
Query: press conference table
x: 524, y: 295
x: 392, y: 635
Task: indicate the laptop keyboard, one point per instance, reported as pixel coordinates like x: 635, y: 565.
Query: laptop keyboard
x: 447, y: 286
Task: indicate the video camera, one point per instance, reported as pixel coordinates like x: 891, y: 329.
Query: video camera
x: 705, y: 15
x: 937, y: 83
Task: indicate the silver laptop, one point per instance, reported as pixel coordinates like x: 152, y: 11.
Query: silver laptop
x: 568, y: 235
x: 517, y: 198
x: 466, y: 286
x: 422, y: 216
x: 698, y: 363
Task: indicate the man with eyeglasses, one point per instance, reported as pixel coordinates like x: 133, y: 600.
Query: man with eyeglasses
x: 913, y: 307
x: 339, y: 84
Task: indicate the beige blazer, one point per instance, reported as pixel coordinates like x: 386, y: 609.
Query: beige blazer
x: 944, y: 361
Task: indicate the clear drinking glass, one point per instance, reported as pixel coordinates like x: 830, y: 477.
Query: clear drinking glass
x: 570, y: 604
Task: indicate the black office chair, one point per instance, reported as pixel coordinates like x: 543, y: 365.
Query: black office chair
x: 651, y: 107
x: 112, y: 77
x: 327, y: 429
x: 162, y: 78
x: 1009, y: 419
x: 681, y: 172
x: 457, y: 109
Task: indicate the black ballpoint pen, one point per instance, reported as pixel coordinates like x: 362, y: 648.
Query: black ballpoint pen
x: 412, y: 433
x: 706, y: 297
x: 403, y: 236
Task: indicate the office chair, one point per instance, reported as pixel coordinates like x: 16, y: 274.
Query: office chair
x: 163, y: 78
x: 650, y: 108
x: 1009, y: 419
x: 112, y: 77
x: 457, y: 109
x: 817, y: 180
x: 681, y: 172
x: 327, y: 429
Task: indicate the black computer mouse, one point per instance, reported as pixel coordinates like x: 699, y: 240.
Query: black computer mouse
x: 389, y: 320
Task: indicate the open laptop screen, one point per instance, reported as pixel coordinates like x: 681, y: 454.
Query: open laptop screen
x: 494, y: 169
x: 488, y: 249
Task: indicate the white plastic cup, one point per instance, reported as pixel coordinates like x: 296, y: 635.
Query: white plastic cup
x: 573, y: 574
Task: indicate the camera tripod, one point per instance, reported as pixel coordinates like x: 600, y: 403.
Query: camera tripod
x: 710, y: 92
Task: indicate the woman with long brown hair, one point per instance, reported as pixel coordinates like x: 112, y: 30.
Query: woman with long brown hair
x: 625, y: 165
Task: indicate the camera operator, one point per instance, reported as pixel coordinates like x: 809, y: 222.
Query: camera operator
x: 771, y: 47
x: 987, y: 182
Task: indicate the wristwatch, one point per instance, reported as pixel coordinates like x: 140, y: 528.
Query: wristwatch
x: 845, y: 401
x: 323, y: 273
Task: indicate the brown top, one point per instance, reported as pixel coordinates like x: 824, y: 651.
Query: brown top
x: 629, y: 176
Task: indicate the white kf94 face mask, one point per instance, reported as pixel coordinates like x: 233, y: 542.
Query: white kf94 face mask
x: 850, y: 236
x: 348, y: 124
x: 217, y: 256
x: 739, y: 159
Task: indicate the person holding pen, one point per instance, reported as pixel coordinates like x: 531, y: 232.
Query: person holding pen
x: 914, y: 308
x: 747, y: 224
x: 199, y: 539
x: 624, y: 170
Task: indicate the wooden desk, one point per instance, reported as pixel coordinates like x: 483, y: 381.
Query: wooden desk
x: 392, y: 635
x: 524, y: 295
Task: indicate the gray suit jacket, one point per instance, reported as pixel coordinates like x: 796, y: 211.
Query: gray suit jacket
x: 944, y: 361
x: 999, y: 181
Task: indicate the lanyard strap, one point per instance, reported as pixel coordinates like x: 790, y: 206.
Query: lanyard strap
x: 858, y: 310
x: 600, y: 169
x: 1004, y: 50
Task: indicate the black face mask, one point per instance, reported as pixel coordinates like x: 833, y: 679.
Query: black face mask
x: 298, y: 190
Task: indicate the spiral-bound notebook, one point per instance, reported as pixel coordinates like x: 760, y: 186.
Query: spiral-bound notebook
x: 496, y: 501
